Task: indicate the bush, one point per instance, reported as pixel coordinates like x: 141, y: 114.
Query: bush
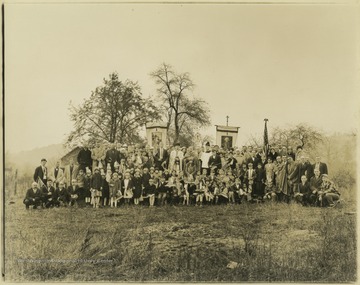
x: 344, y: 178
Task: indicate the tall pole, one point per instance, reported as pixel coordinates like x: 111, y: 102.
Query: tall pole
x: 266, y: 138
x: 227, y: 120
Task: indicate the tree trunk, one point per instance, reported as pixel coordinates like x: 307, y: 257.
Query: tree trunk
x: 177, y: 129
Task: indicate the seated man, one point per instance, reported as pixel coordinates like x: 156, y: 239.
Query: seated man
x: 62, y: 195
x: 49, y: 193
x: 315, y: 185
x: 33, y: 196
x: 163, y: 191
x: 330, y: 194
x: 73, y: 192
x: 270, y: 191
x: 304, y: 191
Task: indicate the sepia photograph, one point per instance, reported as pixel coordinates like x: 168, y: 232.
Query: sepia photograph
x: 180, y: 141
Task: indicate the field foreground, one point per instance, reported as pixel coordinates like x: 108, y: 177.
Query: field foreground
x: 267, y: 242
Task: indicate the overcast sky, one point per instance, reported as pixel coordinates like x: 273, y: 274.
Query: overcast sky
x: 288, y: 63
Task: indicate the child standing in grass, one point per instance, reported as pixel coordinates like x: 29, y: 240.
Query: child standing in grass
x: 104, y: 189
x: 87, y: 186
x: 73, y: 192
x: 115, y: 190
x: 80, y: 182
x: 150, y: 191
x: 96, y: 182
x: 137, y: 181
x: 237, y: 189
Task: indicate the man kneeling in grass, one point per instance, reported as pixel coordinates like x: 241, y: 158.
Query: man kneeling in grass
x: 330, y: 195
x: 33, y: 196
x: 302, y: 195
x: 62, y: 195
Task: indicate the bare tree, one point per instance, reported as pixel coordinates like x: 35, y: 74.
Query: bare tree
x: 180, y: 110
x: 302, y: 134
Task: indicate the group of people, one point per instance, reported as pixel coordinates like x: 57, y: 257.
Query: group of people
x: 155, y: 176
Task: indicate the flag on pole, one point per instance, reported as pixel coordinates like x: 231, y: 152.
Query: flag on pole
x: 266, y: 139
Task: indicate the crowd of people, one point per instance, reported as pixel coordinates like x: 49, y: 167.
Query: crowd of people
x: 117, y: 175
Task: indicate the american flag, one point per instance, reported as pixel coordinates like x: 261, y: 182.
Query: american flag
x: 266, y: 139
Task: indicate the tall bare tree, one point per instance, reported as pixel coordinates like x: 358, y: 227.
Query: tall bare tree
x: 179, y: 108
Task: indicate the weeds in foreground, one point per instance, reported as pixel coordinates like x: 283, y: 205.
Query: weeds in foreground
x: 268, y: 242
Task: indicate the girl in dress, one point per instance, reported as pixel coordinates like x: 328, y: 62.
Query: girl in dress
x: 128, y: 188
x: 137, y: 181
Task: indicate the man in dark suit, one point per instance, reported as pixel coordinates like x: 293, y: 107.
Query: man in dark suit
x: 41, y: 172
x: 62, y: 195
x: 321, y: 166
x: 84, y: 158
x: 215, y: 161
x: 299, y: 171
x: 253, y: 159
x: 161, y: 157
x: 33, y: 196
x: 111, y: 156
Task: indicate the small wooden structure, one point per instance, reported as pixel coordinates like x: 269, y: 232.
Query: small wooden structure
x: 65, y: 160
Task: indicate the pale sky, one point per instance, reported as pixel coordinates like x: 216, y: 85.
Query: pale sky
x: 288, y: 63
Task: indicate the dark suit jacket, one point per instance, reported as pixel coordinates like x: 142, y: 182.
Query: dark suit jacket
x: 39, y: 173
x: 31, y: 194
x: 84, y: 157
x: 112, y: 155
x: 215, y: 161
x: 305, y: 189
x: 322, y: 167
x: 298, y: 172
x: 254, y: 161
x: 165, y: 157
x: 272, y: 155
x: 62, y: 194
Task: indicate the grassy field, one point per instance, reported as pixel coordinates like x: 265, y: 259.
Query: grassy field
x: 269, y: 242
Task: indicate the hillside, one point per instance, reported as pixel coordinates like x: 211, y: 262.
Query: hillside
x: 26, y: 161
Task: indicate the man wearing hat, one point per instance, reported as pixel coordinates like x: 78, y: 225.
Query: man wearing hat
x: 41, y: 173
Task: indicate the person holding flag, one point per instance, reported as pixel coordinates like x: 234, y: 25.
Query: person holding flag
x: 41, y: 173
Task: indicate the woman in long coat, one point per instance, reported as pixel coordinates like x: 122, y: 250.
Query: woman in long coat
x: 137, y: 182
x: 283, y: 187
